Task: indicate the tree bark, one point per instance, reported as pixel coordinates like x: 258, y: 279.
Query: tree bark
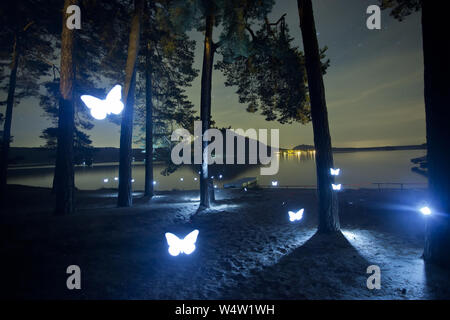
x: 125, y: 198
x: 148, y: 126
x: 328, y: 203
x: 437, y: 96
x: 64, y: 158
x: 206, y: 190
x: 6, y: 140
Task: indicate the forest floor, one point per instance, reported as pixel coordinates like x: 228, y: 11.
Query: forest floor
x: 246, y: 249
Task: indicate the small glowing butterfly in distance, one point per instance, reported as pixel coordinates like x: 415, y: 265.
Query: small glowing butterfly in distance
x: 177, y: 245
x: 335, y: 172
x: 295, y: 216
x: 274, y: 183
x: 101, y: 108
x: 336, y: 186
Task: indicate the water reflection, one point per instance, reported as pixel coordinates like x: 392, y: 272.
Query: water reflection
x: 297, y: 168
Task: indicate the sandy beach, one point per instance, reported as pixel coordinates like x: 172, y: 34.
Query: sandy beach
x: 246, y: 249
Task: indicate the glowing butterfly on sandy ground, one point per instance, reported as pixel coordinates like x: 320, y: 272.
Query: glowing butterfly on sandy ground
x: 336, y: 187
x: 274, y: 183
x: 101, y: 108
x: 295, y: 216
x: 425, y: 211
x: 335, y: 172
x: 177, y: 245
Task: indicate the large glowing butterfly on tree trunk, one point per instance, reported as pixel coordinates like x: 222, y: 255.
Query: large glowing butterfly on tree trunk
x: 177, y: 245
x: 101, y: 108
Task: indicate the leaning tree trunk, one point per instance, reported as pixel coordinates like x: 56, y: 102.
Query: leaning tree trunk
x: 437, y: 98
x: 64, y: 155
x: 206, y: 190
x: 125, y: 198
x: 148, y: 126
x: 328, y: 203
x: 4, y: 152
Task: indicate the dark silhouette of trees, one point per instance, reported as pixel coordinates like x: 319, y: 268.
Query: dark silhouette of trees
x: 24, y: 42
x: 166, y: 69
x: 287, y: 86
x: 205, y: 15
x: 437, y: 96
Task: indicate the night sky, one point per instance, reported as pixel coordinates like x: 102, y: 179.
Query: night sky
x: 374, y: 86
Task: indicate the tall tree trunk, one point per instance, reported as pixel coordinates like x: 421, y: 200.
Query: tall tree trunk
x: 206, y: 190
x: 64, y: 158
x: 437, y: 97
x: 4, y: 156
x: 148, y: 125
x: 328, y: 203
x: 125, y: 198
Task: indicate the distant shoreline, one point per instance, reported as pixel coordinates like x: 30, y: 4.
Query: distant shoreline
x: 384, y: 148
x: 24, y: 156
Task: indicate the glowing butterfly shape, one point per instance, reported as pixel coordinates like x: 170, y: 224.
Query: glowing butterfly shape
x: 181, y: 179
x: 105, y: 180
x: 101, y: 108
x: 220, y: 176
x: 295, y: 216
x: 274, y: 183
x: 195, y: 179
x: 336, y: 186
x: 425, y: 211
x: 335, y: 172
x: 154, y: 182
x: 116, y: 178
x: 177, y: 245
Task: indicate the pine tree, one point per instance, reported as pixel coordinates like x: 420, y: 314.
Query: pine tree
x: 437, y: 98
x: 166, y: 68
x: 24, y: 42
x: 125, y: 198
x: 231, y: 16
x: 272, y: 79
x: 328, y: 202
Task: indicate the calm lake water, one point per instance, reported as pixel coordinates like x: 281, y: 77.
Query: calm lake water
x: 358, y: 170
